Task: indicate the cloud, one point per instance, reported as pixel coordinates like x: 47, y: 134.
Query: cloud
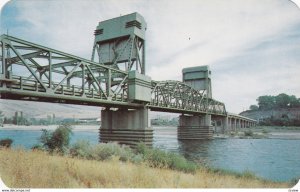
x: 248, y: 43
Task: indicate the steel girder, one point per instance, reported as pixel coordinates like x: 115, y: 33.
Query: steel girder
x: 31, y: 70
x: 175, y: 96
x: 34, y: 72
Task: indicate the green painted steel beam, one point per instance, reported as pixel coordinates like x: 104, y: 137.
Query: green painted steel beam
x: 57, y: 52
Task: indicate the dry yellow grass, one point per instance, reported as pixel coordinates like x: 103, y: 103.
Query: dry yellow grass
x: 23, y: 169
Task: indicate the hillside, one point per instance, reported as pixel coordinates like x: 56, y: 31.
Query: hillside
x: 41, y: 110
x: 280, y: 115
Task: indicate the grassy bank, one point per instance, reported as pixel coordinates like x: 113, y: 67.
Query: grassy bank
x: 38, y: 169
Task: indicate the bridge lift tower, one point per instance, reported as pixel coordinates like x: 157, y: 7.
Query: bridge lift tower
x: 120, y: 44
x: 196, y: 126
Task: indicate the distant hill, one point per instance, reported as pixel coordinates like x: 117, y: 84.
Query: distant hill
x: 41, y: 110
x: 282, y: 110
x: 279, y: 116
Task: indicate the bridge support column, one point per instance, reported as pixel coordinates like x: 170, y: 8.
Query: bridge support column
x: 225, y: 124
x: 126, y: 127
x: 194, y: 127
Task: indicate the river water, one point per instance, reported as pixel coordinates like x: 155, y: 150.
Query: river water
x: 273, y: 159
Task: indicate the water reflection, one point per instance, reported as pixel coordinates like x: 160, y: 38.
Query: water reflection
x: 194, y: 149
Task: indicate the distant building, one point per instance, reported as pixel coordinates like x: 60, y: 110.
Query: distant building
x: 90, y: 121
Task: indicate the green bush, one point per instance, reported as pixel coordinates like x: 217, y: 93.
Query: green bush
x: 6, y: 143
x: 58, y: 140
x: 161, y: 159
x: 37, y: 147
x: 157, y: 158
x: 81, y: 148
x: 107, y: 151
x: 153, y: 157
x: 248, y: 133
x: 137, y: 159
x: 178, y: 162
x: 248, y: 174
x: 102, y: 151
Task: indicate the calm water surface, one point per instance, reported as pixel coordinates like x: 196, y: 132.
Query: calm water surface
x: 274, y: 159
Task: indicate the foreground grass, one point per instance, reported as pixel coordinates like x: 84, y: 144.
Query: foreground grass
x: 37, y: 169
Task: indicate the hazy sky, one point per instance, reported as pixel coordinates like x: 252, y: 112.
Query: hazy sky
x: 252, y: 46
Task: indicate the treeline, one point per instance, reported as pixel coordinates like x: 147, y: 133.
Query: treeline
x: 281, y: 101
x: 284, y: 120
x: 267, y: 102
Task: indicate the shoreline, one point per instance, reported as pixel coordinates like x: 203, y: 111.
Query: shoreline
x: 261, y: 133
x: 258, y: 132
x: 93, y: 128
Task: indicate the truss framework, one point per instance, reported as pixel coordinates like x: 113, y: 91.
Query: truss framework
x: 176, y: 95
x: 34, y: 72
x: 28, y: 67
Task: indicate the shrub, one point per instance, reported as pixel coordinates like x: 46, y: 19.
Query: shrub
x: 58, y: 140
x: 178, y: 162
x: 248, y: 133
x: 37, y: 147
x: 137, y: 159
x: 153, y: 157
x: 107, y: 151
x: 102, y: 151
x: 81, y: 148
x: 248, y: 174
x: 6, y: 143
x: 161, y: 159
x: 157, y: 158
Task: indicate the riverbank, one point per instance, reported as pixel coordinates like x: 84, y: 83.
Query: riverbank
x: 262, y: 132
x: 36, y: 169
x: 93, y: 128
x: 258, y: 132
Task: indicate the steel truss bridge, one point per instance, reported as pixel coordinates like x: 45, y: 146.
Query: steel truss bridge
x: 37, y: 73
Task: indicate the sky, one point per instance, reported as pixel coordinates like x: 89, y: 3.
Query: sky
x: 251, y: 46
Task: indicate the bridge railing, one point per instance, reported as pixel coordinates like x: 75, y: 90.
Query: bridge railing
x: 30, y: 85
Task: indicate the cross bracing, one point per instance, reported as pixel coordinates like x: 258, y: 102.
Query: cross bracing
x: 33, y: 72
x: 176, y: 95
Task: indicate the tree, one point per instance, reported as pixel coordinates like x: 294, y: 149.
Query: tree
x: 294, y: 102
x: 266, y: 102
x: 253, y: 107
x: 58, y: 140
x: 282, y: 100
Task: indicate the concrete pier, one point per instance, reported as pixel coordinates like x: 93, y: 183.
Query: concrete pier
x: 126, y: 126
x: 194, y: 127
